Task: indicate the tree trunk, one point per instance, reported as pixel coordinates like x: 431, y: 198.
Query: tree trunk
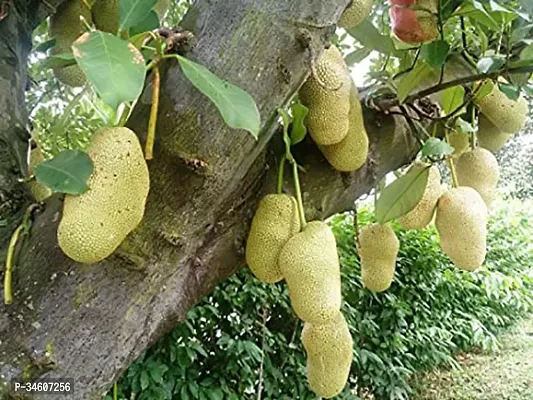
x: 89, y: 323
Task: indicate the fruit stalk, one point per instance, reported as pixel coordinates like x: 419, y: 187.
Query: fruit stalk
x: 301, y: 212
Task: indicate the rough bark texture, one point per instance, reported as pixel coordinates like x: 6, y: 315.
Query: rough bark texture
x: 95, y: 320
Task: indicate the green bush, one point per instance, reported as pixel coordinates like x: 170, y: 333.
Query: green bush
x: 431, y: 311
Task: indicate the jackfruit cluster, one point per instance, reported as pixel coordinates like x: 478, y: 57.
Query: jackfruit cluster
x: 95, y: 223
x: 461, y: 222
x: 489, y: 136
x: 356, y: 12
x: 352, y: 151
x: 65, y: 27
x: 420, y: 216
x: 479, y: 170
x: 39, y: 191
x: 327, y: 95
x: 329, y: 349
x: 275, y: 222
x: 378, y: 250
x: 414, y: 21
x: 310, y: 265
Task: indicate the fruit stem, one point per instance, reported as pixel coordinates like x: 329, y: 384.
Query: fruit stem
x: 8, y: 274
x: 281, y: 172
x: 303, y: 223
x: 150, y: 138
x: 451, y: 165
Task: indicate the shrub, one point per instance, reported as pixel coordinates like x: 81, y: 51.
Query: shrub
x: 431, y: 311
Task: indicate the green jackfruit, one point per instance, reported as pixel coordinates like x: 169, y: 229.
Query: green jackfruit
x: 489, y: 136
x: 421, y: 216
x: 328, y: 107
x: 508, y: 115
x: 65, y: 28
x: 275, y: 222
x: 352, y: 151
x: 355, y: 13
x: 378, y: 249
x: 462, y: 225
x: 95, y: 223
x: 310, y: 266
x: 479, y: 169
x: 460, y: 142
x: 329, y: 349
x: 105, y: 15
x: 39, y: 191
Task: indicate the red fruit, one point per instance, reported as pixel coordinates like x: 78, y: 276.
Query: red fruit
x: 413, y: 26
x: 402, y: 3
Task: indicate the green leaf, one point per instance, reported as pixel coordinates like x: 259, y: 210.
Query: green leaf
x: 237, y: 107
x: 402, y: 195
x: 44, y: 46
x: 215, y: 394
x: 511, y: 91
x: 115, y: 67
x: 486, y: 88
x: 435, y: 53
x: 356, y: 56
x: 490, y: 64
x: 134, y: 12
x: 436, y: 147
x: 369, y: 36
x: 150, y: 23
x: 299, y: 130
x: 67, y: 172
x: 412, y: 79
x: 452, y: 98
x: 464, y: 126
x: 145, y: 380
x: 57, y: 61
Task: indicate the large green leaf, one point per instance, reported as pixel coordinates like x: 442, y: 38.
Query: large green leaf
x: 436, y: 147
x: 452, y: 98
x: 369, y: 36
x: 402, y: 195
x: 435, y: 53
x: 67, y: 172
x: 412, y: 79
x: 134, y: 12
x: 237, y: 107
x: 115, y: 67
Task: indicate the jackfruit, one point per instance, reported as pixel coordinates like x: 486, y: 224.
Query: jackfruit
x: 310, y: 265
x: 39, y: 191
x: 65, y: 28
x: 352, y: 151
x: 355, y: 13
x: 275, y: 222
x: 329, y: 349
x: 329, y: 106
x: 479, y: 169
x: 489, y: 136
x: 96, y: 222
x: 420, y: 216
x: 460, y: 143
x: 414, y: 25
x: 378, y: 249
x: 105, y: 15
x: 508, y: 115
x: 462, y: 226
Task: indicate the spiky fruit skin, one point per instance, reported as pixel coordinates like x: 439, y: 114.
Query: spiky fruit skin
x: 461, y: 222
x: 39, y: 191
x: 415, y: 25
x: 421, y: 216
x: 66, y: 27
x: 355, y: 13
x: 329, y: 106
x: 489, y: 136
x: 479, y: 169
x: 378, y: 249
x: 310, y: 266
x: 508, y: 115
x: 329, y: 349
x: 275, y: 222
x: 105, y: 15
x: 352, y: 151
x: 95, y: 223
x: 460, y: 143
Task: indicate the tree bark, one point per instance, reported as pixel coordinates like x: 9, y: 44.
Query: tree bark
x: 90, y: 322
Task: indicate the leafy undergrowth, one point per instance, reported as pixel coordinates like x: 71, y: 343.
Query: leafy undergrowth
x: 505, y: 374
